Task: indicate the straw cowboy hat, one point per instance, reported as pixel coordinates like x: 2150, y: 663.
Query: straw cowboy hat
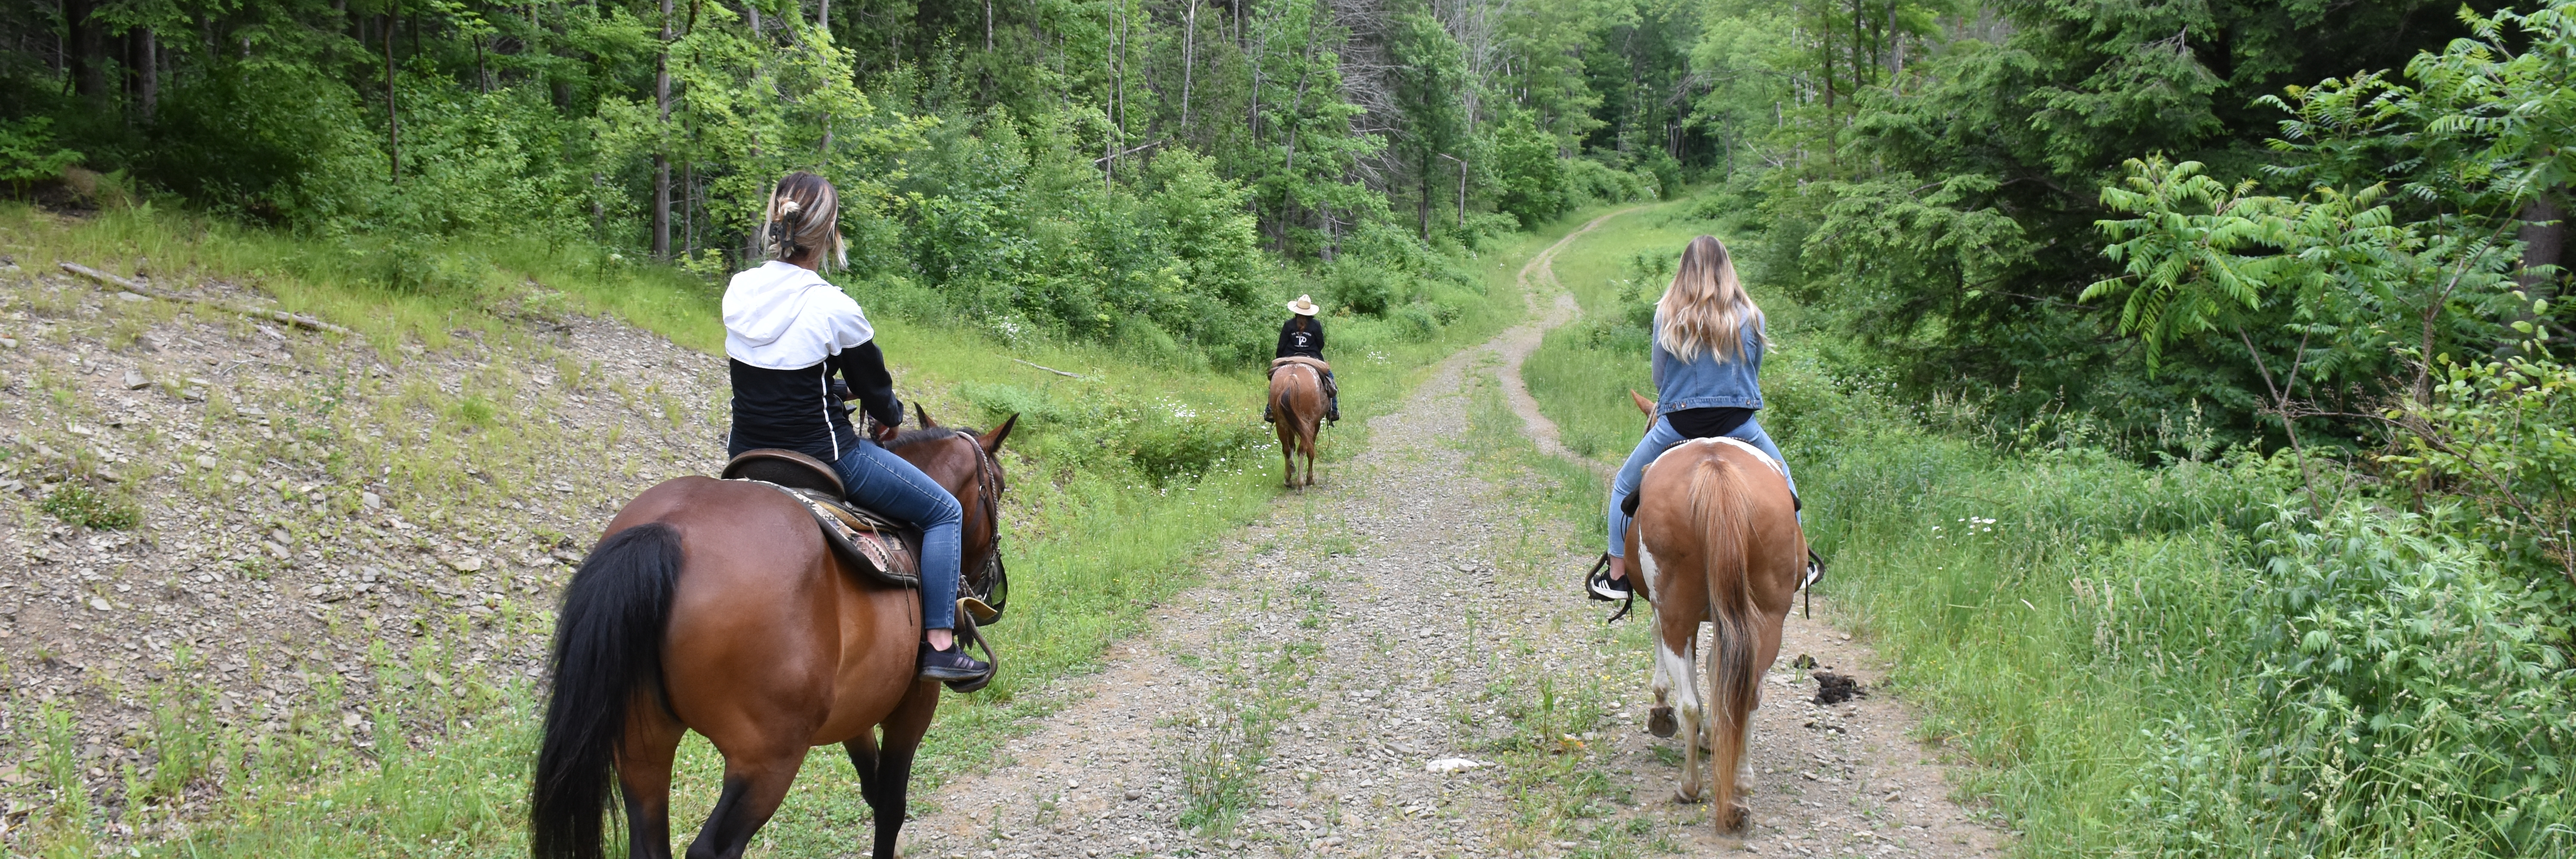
x: 1303, y: 306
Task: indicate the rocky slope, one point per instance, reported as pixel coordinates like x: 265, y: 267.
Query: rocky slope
x: 227, y: 533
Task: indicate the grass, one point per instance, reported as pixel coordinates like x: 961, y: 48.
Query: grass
x: 1096, y: 538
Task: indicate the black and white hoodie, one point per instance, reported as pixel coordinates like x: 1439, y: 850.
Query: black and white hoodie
x: 787, y: 331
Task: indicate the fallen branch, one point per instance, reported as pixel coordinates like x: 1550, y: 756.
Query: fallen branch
x: 295, y: 319
x: 1050, y: 369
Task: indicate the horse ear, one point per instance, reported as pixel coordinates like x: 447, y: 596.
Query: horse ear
x: 1643, y: 404
x: 992, y: 439
x: 921, y: 415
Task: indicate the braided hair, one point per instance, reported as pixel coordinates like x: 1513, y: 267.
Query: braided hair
x: 804, y: 215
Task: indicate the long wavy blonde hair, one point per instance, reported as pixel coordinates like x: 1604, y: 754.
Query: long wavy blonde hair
x: 1706, y: 308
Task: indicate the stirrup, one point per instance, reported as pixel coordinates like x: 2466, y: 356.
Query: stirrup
x: 1598, y: 576
x: 1600, y: 572
x: 1807, y: 588
x: 969, y: 633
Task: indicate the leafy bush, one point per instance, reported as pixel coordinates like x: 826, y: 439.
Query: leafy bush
x: 28, y: 153
x: 1588, y: 182
x: 2183, y: 661
x: 2503, y: 435
x: 1165, y: 443
x: 2416, y: 697
x: 278, y: 142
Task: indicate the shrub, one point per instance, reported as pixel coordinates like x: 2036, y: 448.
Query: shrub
x: 1164, y: 442
x: 88, y: 508
x: 2503, y: 434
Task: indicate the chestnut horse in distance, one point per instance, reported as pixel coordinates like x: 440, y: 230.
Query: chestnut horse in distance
x: 1297, y: 410
x: 715, y: 606
x: 1720, y: 542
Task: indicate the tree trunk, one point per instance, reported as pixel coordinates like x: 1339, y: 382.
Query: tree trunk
x: 823, y: 15
x: 2544, y: 243
x: 661, y: 155
x: 1422, y: 197
x: 1189, y: 59
x: 147, y: 73
x: 88, y: 44
x: 393, y: 112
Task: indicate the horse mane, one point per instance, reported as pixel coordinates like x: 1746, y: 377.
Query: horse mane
x: 911, y: 437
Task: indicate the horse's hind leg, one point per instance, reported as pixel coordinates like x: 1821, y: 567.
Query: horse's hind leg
x: 755, y: 781
x: 1310, y: 459
x: 1676, y: 663
x: 885, y: 773
x: 644, y: 777
x: 1287, y: 454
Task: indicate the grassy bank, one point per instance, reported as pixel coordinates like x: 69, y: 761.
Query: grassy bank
x: 2188, y: 659
x: 1121, y: 475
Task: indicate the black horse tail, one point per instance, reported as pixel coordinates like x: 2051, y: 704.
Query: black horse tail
x: 608, y: 646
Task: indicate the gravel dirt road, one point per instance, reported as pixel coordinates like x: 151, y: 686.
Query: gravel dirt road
x: 1398, y: 663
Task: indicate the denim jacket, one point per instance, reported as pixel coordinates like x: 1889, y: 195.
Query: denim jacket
x: 1712, y: 381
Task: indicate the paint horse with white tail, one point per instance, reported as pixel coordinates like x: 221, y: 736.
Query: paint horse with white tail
x: 1718, y: 529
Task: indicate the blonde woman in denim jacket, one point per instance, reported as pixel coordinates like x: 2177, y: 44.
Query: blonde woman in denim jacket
x: 1708, y: 365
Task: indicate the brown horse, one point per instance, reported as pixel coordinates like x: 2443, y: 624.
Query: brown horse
x: 715, y: 606
x: 1720, y: 542
x: 1297, y: 408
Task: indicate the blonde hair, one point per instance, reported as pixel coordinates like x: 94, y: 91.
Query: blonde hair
x: 804, y: 214
x: 1706, y: 308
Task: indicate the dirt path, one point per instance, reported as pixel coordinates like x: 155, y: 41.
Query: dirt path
x: 1398, y: 664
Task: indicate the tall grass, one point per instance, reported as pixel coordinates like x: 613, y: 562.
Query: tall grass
x: 2185, y: 659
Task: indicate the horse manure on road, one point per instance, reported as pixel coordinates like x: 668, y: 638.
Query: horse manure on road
x: 1832, y: 688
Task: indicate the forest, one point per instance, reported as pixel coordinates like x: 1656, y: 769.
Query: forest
x: 2295, y: 271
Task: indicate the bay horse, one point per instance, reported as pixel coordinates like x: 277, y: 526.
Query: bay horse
x: 1715, y: 538
x: 1297, y: 410
x: 715, y: 606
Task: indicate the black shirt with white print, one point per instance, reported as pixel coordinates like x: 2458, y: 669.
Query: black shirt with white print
x: 1306, y: 341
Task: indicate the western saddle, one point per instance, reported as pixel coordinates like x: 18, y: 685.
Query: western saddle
x: 880, y: 550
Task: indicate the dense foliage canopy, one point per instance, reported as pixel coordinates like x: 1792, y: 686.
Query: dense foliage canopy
x: 1151, y: 172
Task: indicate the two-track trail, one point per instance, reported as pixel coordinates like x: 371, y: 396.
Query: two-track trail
x: 1398, y: 663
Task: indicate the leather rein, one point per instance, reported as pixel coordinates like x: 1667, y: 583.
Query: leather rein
x: 988, y: 484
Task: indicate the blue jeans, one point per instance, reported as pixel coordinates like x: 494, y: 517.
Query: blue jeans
x: 1660, y: 437
x: 881, y: 481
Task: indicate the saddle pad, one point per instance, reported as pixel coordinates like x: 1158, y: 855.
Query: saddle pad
x: 1748, y: 448
x: 873, y: 547
x: 1766, y: 459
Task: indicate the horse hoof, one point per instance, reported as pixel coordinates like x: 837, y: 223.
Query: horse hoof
x: 1688, y: 798
x: 1660, y: 722
x: 1739, y: 818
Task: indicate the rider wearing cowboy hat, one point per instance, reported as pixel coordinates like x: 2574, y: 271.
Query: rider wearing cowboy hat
x: 1302, y: 336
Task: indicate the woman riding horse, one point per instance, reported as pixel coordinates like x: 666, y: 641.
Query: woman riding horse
x: 1707, y: 356
x: 787, y: 332
x: 1302, y: 336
